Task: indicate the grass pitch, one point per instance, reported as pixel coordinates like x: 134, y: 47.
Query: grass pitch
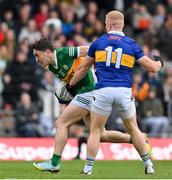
x: 71, y: 170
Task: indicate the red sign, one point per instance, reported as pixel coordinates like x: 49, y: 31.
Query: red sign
x: 42, y: 149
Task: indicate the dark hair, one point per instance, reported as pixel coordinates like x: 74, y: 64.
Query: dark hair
x: 43, y: 44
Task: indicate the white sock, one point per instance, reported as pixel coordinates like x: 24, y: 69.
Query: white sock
x: 148, y: 163
x: 146, y: 160
x: 89, y: 165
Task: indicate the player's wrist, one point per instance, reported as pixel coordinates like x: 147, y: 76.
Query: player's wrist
x: 70, y: 89
x: 69, y: 86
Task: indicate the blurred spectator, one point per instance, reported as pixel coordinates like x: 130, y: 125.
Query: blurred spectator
x: 51, y: 109
x: 92, y: 8
x: 156, y: 23
x: 53, y: 5
x: 99, y: 28
x: 24, y: 15
x: 3, y: 30
x: 53, y: 20
x: 60, y: 41
x: 154, y: 123
x: 54, y: 25
x: 8, y: 18
x: 2, y: 69
x: 80, y: 40
x: 165, y: 36
x: 140, y: 91
x: 89, y: 25
x: 142, y: 21
x: 169, y: 6
x: 41, y: 16
x: 27, y: 118
x: 79, y: 9
x: 2, y: 37
x: 19, y: 77
x: 119, y: 5
x: 4, y: 54
x: 157, y: 19
x: 45, y: 31
x: 167, y: 90
x: 24, y: 46
x: 63, y: 8
x: 151, y: 5
x: 10, y: 43
x: 140, y: 88
x: 146, y: 50
x: 154, y: 80
x: 30, y: 32
x: 68, y: 22
x: 167, y: 87
x: 79, y: 28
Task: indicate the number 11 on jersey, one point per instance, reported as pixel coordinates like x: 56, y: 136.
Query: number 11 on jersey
x: 109, y: 56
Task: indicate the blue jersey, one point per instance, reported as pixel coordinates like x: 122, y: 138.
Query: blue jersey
x: 115, y: 55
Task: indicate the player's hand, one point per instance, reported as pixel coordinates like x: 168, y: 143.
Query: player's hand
x: 158, y: 58
x: 70, y: 89
x: 61, y: 101
x: 62, y: 93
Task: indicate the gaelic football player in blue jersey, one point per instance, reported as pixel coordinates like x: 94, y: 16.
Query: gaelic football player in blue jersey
x: 114, y: 55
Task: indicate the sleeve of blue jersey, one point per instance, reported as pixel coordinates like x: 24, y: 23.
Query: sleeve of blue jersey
x: 138, y: 51
x: 92, y: 49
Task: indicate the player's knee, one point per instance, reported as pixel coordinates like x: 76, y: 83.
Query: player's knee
x: 131, y: 126
x: 103, y: 138
x: 56, y: 124
x: 96, y: 131
x: 60, y: 123
x: 133, y: 129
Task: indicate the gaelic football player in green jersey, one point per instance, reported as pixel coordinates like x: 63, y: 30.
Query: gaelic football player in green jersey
x: 63, y: 62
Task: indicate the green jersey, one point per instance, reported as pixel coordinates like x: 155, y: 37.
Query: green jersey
x: 67, y: 61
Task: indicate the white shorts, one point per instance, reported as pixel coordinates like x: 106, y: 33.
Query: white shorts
x: 119, y: 99
x: 84, y: 100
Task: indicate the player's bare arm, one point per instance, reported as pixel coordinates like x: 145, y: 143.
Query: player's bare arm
x: 149, y: 64
x: 82, y: 70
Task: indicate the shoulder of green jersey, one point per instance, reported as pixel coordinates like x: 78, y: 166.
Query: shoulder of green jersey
x: 56, y: 61
x: 78, y: 51
x: 71, y: 51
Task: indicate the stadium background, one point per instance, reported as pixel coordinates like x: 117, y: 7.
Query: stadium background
x: 28, y: 106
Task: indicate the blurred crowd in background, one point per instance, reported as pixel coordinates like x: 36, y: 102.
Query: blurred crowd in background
x: 28, y: 106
